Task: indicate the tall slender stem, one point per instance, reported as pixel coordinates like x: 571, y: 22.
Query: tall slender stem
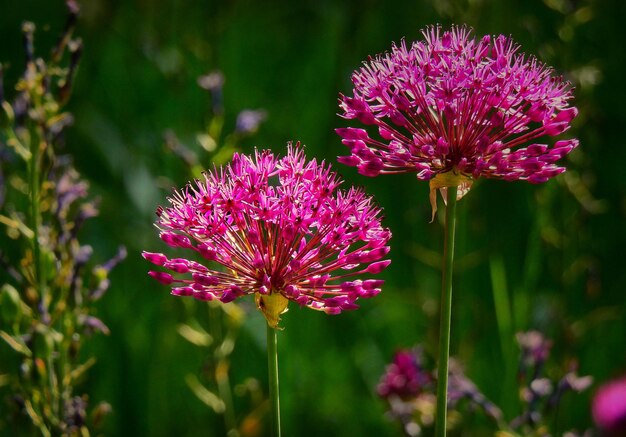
x: 49, y: 384
x: 272, y: 364
x: 35, y: 219
x: 446, y: 314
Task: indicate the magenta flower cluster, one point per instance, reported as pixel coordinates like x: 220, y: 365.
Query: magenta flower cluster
x: 454, y: 103
x: 609, y: 407
x: 405, y: 377
x: 276, y: 227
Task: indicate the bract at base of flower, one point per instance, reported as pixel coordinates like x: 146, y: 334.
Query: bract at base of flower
x: 272, y: 306
x: 442, y: 181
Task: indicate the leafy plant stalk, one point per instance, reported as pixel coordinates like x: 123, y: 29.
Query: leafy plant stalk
x: 47, y: 292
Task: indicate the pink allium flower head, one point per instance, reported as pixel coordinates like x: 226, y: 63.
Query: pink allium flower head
x: 452, y: 108
x: 609, y: 408
x: 280, y: 229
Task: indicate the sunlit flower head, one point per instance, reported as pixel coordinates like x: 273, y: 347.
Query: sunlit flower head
x: 452, y: 108
x: 277, y: 228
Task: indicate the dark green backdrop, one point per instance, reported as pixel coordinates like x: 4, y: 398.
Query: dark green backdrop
x: 562, y: 243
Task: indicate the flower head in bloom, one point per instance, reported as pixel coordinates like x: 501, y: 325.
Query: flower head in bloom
x: 609, y: 407
x: 452, y: 108
x: 277, y: 228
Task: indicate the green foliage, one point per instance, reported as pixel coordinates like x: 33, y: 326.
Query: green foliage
x: 48, y: 290
x: 561, y: 244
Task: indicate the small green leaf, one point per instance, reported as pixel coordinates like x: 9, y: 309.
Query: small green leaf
x: 215, y: 126
x: 21, y: 150
x: 43, y: 340
x: 10, y: 304
x: 205, y: 395
x: 206, y: 141
x: 16, y: 343
x: 79, y: 371
x: 226, y: 348
x: 196, y: 336
x: 14, y: 223
x: 36, y: 418
x: 8, y: 110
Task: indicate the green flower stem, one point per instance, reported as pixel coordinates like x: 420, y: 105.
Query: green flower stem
x: 39, y: 280
x: 272, y: 364
x: 35, y: 218
x: 446, y: 314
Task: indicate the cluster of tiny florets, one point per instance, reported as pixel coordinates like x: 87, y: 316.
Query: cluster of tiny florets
x: 455, y: 103
x: 273, y: 226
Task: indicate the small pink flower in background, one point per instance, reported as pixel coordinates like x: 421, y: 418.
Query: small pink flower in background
x: 609, y: 408
x: 280, y: 229
x: 405, y: 377
x: 452, y: 108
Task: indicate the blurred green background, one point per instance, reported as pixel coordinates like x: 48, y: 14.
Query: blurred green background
x: 560, y: 246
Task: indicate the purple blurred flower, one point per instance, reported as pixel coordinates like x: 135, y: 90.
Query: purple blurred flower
x: 535, y: 350
x: 409, y: 385
x: 461, y: 387
x: 282, y: 231
x: 69, y: 189
x: 93, y: 324
x: 609, y: 407
x: 540, y: 393
x: 76, y: 413
x: 249, y: 120
x: 405, y: 377
x: 214, y: 83
x: 452, y: 108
